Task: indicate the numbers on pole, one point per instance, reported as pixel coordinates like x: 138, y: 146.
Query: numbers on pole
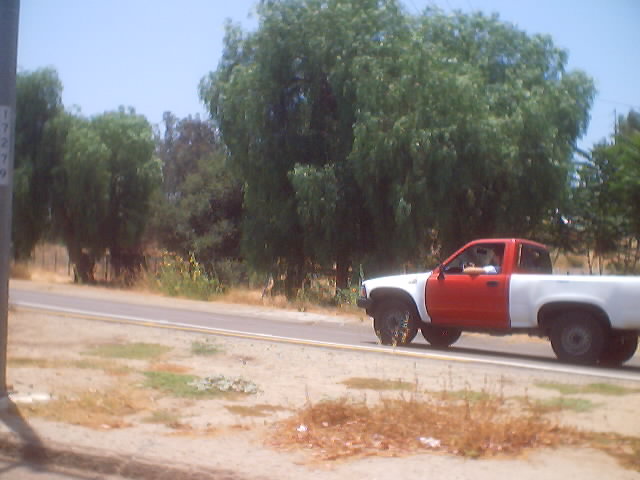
x: 5, y: 143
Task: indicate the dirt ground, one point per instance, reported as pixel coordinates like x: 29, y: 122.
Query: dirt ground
x: 228, y: 436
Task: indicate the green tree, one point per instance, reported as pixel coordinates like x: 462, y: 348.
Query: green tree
x: 284, y: 98
x: 201, y: 206
x: 365, y: 134
x: 134, y: 174
x: 104, y: 183
x: 626, y: 149
x: 38, y: 103
x: 80, y: 201
x: 471, y: 133
x: 604, y: 200
x: 596, y: 208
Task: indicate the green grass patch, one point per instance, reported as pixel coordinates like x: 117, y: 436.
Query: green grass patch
x: 190, y: 386
x: 176, y: 384
x: 561, y: 403
x: 163, y: 417
x: 30, y: 362
x: 204, y: 348
x: 134, y: 351
x: 365, y: 383
x: 594, y: 388
x: 466, y: 395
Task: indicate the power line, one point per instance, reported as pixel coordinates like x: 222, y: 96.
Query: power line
x: 616, y: 102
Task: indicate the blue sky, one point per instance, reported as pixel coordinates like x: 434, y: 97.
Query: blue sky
x: 151, y: 54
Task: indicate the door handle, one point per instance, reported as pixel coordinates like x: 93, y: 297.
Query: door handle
x: 492, y: 283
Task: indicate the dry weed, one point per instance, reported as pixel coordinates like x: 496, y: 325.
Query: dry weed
x: 93, y: 409
x: 20, y: 271
x: 109, y: 367
x: 343, y: 428
x: 168, y: 367
x: 259, y: 410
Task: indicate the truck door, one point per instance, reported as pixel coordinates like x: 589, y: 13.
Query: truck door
x: 471, y: 289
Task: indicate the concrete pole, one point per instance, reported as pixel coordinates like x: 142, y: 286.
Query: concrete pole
x: 9, y: 12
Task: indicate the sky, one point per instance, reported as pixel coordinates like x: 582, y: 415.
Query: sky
x: 152, y: 54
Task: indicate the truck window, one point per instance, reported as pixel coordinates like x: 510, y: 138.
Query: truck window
x: 487, y: 256
x: 534, y: 260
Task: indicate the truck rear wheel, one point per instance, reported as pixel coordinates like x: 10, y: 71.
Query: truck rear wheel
x: 440, y: 336
x: 395, y: 323
x: 578, y: 337
x: 619, y: 348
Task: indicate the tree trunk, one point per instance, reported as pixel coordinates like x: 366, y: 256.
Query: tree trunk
x: 293, y: 281
x: 342, y: 273
x: 83, y: 265
x: 126, y: 264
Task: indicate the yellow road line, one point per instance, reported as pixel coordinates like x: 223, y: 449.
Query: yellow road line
x: 557, y: 368
x: 243, y: 335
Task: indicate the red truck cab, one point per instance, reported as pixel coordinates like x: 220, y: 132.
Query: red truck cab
x: 471, y: 288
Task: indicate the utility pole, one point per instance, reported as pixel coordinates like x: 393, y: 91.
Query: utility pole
x: 9, y: 13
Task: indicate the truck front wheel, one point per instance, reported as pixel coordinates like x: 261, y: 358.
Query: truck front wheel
x: 395, y: 323
x: 440, y: 336
x: 578, y: 337
x: 619, y: 348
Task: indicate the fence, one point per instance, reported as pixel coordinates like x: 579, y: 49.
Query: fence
x: 53, y: 259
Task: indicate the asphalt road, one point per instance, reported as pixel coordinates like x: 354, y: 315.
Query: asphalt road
x: 516, y: 351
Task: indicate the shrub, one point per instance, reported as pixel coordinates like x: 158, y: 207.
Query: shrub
x: 177, y: 277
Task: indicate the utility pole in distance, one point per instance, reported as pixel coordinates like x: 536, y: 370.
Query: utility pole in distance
x: 9, y: 14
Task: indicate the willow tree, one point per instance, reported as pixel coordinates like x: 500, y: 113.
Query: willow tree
x: 103, y: 186
x: 201, y: 205
x: 471, y: 133
x: 364, y: 133
x: 38, y: 103
x: 285, y: 98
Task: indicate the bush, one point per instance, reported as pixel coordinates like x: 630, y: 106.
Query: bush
x: 177, y: 277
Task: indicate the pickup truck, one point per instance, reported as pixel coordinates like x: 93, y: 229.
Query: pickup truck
x: 506, y: 286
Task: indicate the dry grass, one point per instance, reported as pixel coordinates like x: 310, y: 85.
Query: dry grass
x: 31, y: 362
x: 94, y: 409
x: 109, y: 367
x: 625, y: 449
x: 20, y: 271
x: 169, y: 368
x: 343, y: 428
x: 260, y: 410
x: 254, y: 297
x: 165, y: 417
x: 367, y: 383
x: 251, y: 297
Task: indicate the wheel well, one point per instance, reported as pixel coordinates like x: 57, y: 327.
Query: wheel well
x: 379, y: 296
x: 550, y: 311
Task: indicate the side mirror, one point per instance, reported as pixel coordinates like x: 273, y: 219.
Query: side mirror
x: 441, y: 272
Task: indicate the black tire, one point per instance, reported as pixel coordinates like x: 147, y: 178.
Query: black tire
x: 578, y: 337
x: 395, y: 323
x: 440, y: 336
x: 619, y: 348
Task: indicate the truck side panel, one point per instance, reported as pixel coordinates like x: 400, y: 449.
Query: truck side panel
x: 618, y: 296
